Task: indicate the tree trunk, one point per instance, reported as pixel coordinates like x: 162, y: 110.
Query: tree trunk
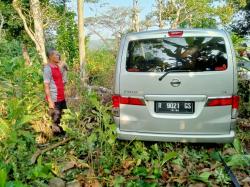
x: 1, y: 24
x: 35, y: 10
x: 64, y: 6
x: 36, y: 35
x: 80, y: 11
x: 26, y: 55
x: 160, y: 7
x: 175, y: 24
x: 135, y: 16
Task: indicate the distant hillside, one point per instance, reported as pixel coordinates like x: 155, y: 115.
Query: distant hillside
x: 99, y: 44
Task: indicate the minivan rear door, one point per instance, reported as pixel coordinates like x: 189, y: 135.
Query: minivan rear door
x: 200, y: 68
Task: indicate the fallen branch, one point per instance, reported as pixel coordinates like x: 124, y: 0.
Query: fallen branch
x: 40, y: 152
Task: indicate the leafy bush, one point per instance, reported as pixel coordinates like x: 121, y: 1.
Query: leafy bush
x: 97, y: 155
x: 244, y: 93
x: 66, y: 38
x: 101, y: 66
x: 21, y: 110
x: 10, y: 49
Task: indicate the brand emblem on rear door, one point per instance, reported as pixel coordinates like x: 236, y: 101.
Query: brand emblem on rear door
x: 175, y: 82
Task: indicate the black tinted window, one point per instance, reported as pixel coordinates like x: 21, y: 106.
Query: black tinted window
x: 189, y: 53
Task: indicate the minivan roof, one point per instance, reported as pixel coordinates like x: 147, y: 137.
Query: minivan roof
x: 212, y: 32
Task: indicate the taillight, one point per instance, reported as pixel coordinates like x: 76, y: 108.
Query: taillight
x: 219, y: 102
x: 132, y: 101
x: 117, y: 100
x: 175, y: 33
x: 233, y: 101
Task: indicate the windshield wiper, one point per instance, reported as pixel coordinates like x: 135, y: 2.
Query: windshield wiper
x: 176, y: 70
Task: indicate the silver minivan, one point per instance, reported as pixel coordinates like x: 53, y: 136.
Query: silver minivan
x: 176, y: 85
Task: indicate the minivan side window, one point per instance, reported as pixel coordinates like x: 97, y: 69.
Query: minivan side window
x: 187, y: 53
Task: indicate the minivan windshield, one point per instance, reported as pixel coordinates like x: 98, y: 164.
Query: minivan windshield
x: 187, y: 53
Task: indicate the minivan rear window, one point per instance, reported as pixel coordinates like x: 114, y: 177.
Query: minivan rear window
x: 187, y: 53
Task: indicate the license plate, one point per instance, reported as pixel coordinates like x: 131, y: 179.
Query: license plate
x: 182, y: 107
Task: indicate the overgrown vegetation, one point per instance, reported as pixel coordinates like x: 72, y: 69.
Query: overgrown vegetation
x: 244, y: 93
x: 90, y: 152
x: 93, y: 156
x: 101, y: 66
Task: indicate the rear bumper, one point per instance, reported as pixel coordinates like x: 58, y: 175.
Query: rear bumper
x: 221, y: 138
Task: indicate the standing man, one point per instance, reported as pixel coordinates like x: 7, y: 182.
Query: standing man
x: 54, y: 80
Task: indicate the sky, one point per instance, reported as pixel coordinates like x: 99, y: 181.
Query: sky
x: 145, y: 6
x: 90, y: 10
